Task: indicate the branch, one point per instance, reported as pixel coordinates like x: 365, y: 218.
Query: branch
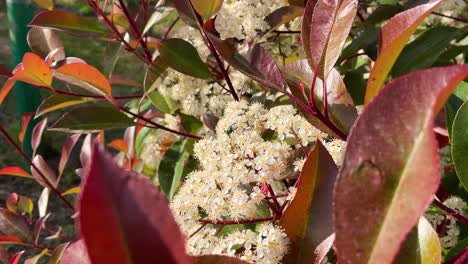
x: 451, y: 212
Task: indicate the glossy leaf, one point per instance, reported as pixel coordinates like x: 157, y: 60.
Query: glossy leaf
x: 33, y: 70
x: 323, y: 248
x: 57, y: 253
x: 391, y: 188
x: 14, y: 225
x: 66, y: 151
x: 455, y: 101
x: 76, y: 253
x: 207, y: 8
x: 186, y: 12
x: 36, y: 136
x: 183, y: 57
x: 308, y: 219
x: 363, y: 38
x: 92, y: 119
x: 43, y: 201
x: 124, y: 219
x: 15, y: 171
x: 326, y: 34
x: 424, y: 50
x: 422, y: 245
x: 249, y: 58
x: 43, y: 41
x: 460, y: 144
x: 394, y: 36
x: 73, y: 190
x: 58, y: 101
x: 282, y: 16
x: 43, y: 167
x: 84, y: 76
x: 25, y: 119
x: 215, y: 259
x: 64, y: 20
x: 171, y: 168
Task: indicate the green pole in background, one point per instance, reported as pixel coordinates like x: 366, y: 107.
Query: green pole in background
x: 20, y: 13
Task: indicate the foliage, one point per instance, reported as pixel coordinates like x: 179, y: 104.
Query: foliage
x: 266, y: 131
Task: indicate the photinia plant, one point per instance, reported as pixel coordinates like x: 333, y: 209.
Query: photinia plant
x: 270, y: 131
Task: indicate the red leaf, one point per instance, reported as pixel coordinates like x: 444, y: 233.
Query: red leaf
x: 8, y: 239
x: 4, y: 256
x: 37, y: 135
x: 308, y: 219
x: 40, y: 224
x: 14, y: 225
x: 15, y: 258
x: 15, y: 171
x: 84, y: 76
x: 12, y: 201
x: 25, y: 119
x: 66, y: 151
x: 393, y: 37
x: 76, y: 254
x: 325, y: 33
x: 47, y: 172
x: 391, y: 167
x: 124, y: 218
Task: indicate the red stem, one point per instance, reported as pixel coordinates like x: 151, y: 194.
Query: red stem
x: 451, y: 212
x: 44, y: 178
x: 459, y: 19
x: 325, y: 97
x: 235, y: 222
x: 170, y: 28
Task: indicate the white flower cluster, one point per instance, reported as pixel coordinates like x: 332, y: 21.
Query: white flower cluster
x: 244, y: 19
x: 156, y: 142
x: 449, y: 238
x: 198, y: 97
x: 235, y: 165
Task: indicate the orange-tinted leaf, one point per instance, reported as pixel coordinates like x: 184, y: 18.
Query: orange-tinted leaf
x: 119, y: 145
x: 14, y: 225
x: 73, y: 190
x: 394, y: 36
x: 215, y: 259
x: 15, y: 171
x: 25, y: 119
x: 76, y: 253
x: 33, y: 70
x: 7, y: 239
x: 325, y: 30
x: 84, y: 76
x: 46, y: 4
x: 391, y: 166
x: 308, y: 219
x: 124, y: 218
x: 121, y: 80
x: 11, y: 202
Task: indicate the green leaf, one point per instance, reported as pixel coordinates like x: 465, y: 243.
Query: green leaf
x: 171, y: 168
x: 163, y: 103
x: 421, y: 246
x: 391, y: 166
x: 460, y: 144
x: 183, y: 57
x: 59, y: 101
x: 365, y: 37
x: 424, y: 50
x: 356, y: 85
x: 63, y: 20
x: 57, y: 253
x: 454, y: 103
x: 140, y: 139
x: 308, y: 219
x: 92, y: 119
x: 207, y: 8
x: 190, y: 124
